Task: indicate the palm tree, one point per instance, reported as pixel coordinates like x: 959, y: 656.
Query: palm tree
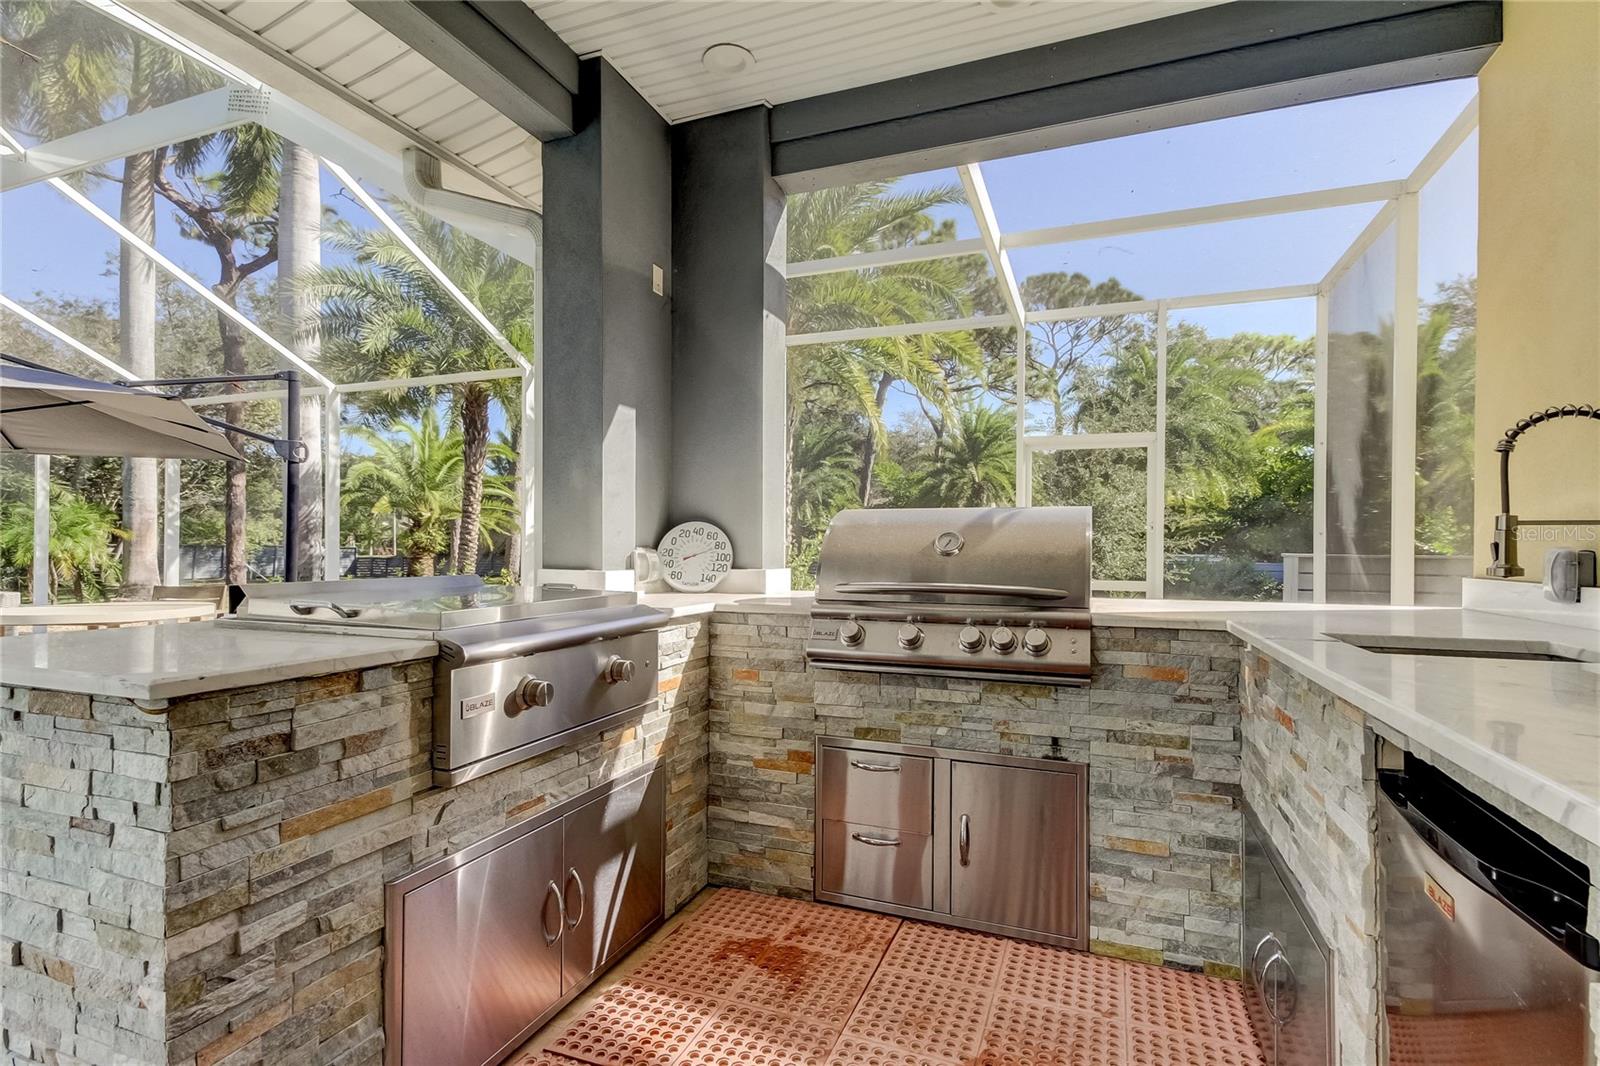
x: 300, y: 251
x: 82, y: 535
x: 386, y: 316
x: 975, y: 465
x: 64, y: 67
x: 860, y: 218
x: 413, y: 473
x: 822, y: 477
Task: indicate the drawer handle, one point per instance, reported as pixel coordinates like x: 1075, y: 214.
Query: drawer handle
x: 875, y: 767
x: 966, y: 840
x: 877, y: 842
x: 561, y: 913
x: 572, y: 875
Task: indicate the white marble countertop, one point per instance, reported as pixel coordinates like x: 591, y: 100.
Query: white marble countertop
x: 108, y: 614
x: 1529, y: 728
x: 162, y: 661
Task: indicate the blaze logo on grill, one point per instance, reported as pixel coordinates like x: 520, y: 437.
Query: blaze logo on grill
x: 1441, y: 899
x: 473, y: 706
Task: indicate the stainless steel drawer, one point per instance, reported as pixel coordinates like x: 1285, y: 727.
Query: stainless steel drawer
x: 875, y: 788
x: 876, y: 862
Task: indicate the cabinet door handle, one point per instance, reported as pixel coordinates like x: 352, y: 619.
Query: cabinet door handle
x: 572, y: 876
x: 875, y: 767
x: 561, y: 913
x: 877, y: 842
x: 966, y: 840
x: 1285, y: 993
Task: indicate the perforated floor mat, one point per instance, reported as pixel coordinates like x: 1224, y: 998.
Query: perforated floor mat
x: 755, y: 980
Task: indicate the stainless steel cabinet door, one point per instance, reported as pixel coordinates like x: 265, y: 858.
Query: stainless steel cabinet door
x: 614, y: 874
x: 1017, y: 848
x: 482, y: 953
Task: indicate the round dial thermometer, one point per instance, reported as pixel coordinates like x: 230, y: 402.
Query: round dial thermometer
x: 695, y: 556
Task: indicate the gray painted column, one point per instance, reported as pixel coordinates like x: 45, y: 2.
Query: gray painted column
x: 728, y: 319
x: 606, y: 415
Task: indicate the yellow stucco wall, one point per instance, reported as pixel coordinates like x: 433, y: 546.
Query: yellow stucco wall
x: 1539, y: 264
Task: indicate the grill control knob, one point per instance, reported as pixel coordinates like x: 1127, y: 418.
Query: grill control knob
x: 1036, y: 641
x: 851, y: 634
x: 910, y: 637
x: 971, y: 639
x: 1003, y: 640
x: 618, y: 670
x: 533, y: 692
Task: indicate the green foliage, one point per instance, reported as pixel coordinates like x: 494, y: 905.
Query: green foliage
x: 975, y: 464
x: 413, y: 473
x: 1239, y: 441
x: 82, y: 547
x: 383, y: 315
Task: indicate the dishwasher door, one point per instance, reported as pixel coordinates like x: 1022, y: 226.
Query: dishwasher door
x: 1486, y: 960
x: 1288, y: 971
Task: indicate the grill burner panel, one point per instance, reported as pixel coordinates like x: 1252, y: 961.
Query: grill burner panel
x: 995, y: 593
x: 520, y: 670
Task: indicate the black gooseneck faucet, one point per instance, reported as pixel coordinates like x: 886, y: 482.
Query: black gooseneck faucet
x: 1503, y: 552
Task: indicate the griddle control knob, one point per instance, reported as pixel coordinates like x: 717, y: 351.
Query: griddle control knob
x: 971, y: 639
x: 910, y: 637
x: 618, y: 670
x: 1003, y: 640
x: 533, y: 692
x: 851, y: 634
x: 1036, y: 641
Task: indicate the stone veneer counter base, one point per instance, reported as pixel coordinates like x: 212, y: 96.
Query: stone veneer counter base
x: 1158, y: 728
x: 204, y: 884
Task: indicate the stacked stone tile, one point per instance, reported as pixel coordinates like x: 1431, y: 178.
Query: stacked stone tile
x: 1310, y: 776
x: 202, y: 882
x: 1159, y: 729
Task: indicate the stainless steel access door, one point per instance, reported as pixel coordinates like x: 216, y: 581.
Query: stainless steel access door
x: 483, y: 952
x: 1017, y: 841
x: 613, y: 881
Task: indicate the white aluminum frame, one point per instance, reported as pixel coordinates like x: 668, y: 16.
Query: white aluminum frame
x: 512, y: 229
x: 1397, y: 204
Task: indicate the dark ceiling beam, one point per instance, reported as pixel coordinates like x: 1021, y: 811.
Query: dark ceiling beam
x: 497, y: 48
x: 1249, y: 55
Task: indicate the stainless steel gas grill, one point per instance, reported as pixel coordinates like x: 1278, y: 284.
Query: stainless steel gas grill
x: 520, y: 670
x: 999, y: 593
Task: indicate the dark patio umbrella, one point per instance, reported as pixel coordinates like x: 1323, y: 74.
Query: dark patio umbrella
x: 49, y: 413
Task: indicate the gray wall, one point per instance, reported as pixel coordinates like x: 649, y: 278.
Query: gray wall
x: 728, y: 315
x: 607, y: 337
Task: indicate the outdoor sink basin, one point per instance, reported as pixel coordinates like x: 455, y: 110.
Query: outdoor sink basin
x: 1467, y: 647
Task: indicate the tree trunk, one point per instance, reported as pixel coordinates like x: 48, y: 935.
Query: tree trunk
x: 300, y: 249
x: 422, y: 565
x: 454, y: 564
x: 474, y: 454
x: 136, y: 299
x: 236, y: 562
x: 869, y: 447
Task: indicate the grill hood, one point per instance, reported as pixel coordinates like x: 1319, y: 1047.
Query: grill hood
x: 1033, y: 557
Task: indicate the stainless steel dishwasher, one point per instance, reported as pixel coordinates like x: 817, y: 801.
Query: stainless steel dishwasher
x: 1486, y: 955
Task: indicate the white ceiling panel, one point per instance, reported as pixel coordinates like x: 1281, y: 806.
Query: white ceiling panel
x: 343, y: 46
x: 806, y: 47
x: 801, y: 48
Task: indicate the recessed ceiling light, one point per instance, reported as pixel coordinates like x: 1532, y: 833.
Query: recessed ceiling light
x: 727, y: 59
